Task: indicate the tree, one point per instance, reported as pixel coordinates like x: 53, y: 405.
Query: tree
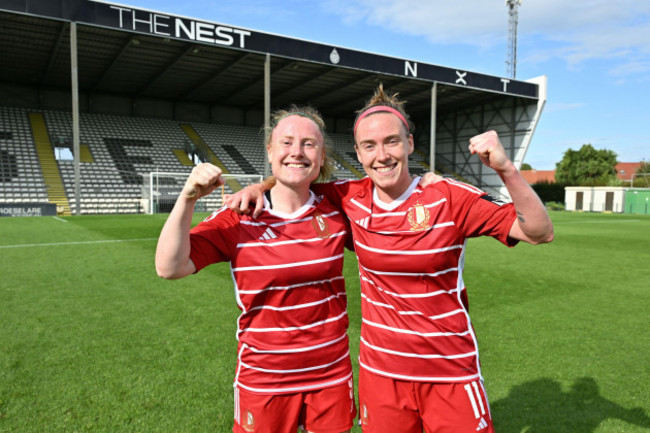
x: 587, y: 166
x: 642, y: 176
x: 526, y: 166
x: 644, y: 167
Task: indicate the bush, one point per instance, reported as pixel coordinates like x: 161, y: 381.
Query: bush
x: 553, y: 205
x: 549, y: 192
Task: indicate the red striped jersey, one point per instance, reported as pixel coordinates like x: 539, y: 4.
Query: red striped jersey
x: 287, y: 273
x: 415, y: 321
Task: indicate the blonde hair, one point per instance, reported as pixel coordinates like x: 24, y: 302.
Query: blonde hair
x: 312, y: 114
x: 381, y: 98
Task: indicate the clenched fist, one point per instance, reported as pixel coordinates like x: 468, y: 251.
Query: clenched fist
x: 204, y: 179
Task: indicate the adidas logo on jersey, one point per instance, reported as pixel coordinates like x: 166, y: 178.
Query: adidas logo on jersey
x: 268, y: 234
x: 363, y: 222
x: 482, y: 424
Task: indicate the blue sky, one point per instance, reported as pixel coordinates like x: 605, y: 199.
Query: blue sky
x: 595, y: 53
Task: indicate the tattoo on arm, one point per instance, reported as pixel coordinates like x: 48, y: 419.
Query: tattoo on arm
x: 520, y: 217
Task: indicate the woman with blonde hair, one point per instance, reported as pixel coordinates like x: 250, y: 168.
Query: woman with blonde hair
x: 293, y: 368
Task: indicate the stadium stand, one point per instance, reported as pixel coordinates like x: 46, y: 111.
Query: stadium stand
x: 130, y: 76
x: 118, y: 151
x: 21, y: 179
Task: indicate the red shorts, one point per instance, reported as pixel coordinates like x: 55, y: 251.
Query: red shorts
x: 329, y: 410
x: 389, y: 405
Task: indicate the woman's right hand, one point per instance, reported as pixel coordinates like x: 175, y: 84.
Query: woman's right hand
x: 204, y: 179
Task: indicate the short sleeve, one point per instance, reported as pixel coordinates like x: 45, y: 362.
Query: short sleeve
x: 476, y: 213
x: 214, y: 239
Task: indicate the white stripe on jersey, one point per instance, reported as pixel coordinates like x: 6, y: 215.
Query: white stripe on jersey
x: 412, y: 313
x: 252, y: 223
x: 294, y: 241
x: 297, y: 306
x: 292, y: 286
x: 419, y: 378
x: 468, y: 187
x: 296, y: 328
x: 413, y: 274
x: 295, y: 388
x: 215, y: 213
x: 360, y: 206
x: 408, y: 331
x: 284, y: 223
x: 435, y: 226
x: 410, y: 252
x: 416, y: 355
x: 301, y: 349
x: 403, y: 213
x: 412, y: 295
x: 297, y: 370
x: 287, y: 265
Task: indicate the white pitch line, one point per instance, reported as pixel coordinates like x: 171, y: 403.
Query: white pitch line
x: 60, y: 219
x: 53, y: 244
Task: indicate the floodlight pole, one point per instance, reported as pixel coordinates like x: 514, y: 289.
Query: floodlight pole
x: 513, y: 20
x: 432, y: 132
x: 267, y: 109
x: 636, y: 174
x: 75, y: 116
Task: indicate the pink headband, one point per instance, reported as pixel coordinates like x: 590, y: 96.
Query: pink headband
x: 385, y: 108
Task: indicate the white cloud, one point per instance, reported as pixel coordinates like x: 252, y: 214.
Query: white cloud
x: 573, y: 31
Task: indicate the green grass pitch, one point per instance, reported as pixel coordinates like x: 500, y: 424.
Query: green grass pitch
x: 93, y: 341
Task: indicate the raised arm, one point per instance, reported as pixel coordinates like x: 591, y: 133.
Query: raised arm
x: 533, y: 224
x: 173, y: 250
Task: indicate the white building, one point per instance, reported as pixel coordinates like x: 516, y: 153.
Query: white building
x: 595, y: 198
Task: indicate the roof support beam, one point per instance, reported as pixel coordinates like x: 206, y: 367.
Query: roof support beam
x: 214, y: 76
x: 165, y: 69
x: 114, y: 63
x: 54, y: 54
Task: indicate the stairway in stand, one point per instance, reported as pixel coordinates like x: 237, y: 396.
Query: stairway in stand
x: 212, y: 158
x: 51, y: 174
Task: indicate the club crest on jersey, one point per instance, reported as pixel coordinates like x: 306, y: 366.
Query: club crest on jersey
x: 418, y: 217
x: 320, y: 226
x: 249, y: 423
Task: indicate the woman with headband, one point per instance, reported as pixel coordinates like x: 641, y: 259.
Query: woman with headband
x: 419, y: 359
x: 293, y: 370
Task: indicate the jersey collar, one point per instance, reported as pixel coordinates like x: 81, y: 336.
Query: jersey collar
x: 398, y: 201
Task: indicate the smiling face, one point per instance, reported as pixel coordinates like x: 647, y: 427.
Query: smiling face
x: 296, y: 151
x: 383, y: 147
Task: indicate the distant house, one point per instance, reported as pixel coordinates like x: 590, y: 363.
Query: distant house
x: 624, y: 171
x: 538, y: 176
